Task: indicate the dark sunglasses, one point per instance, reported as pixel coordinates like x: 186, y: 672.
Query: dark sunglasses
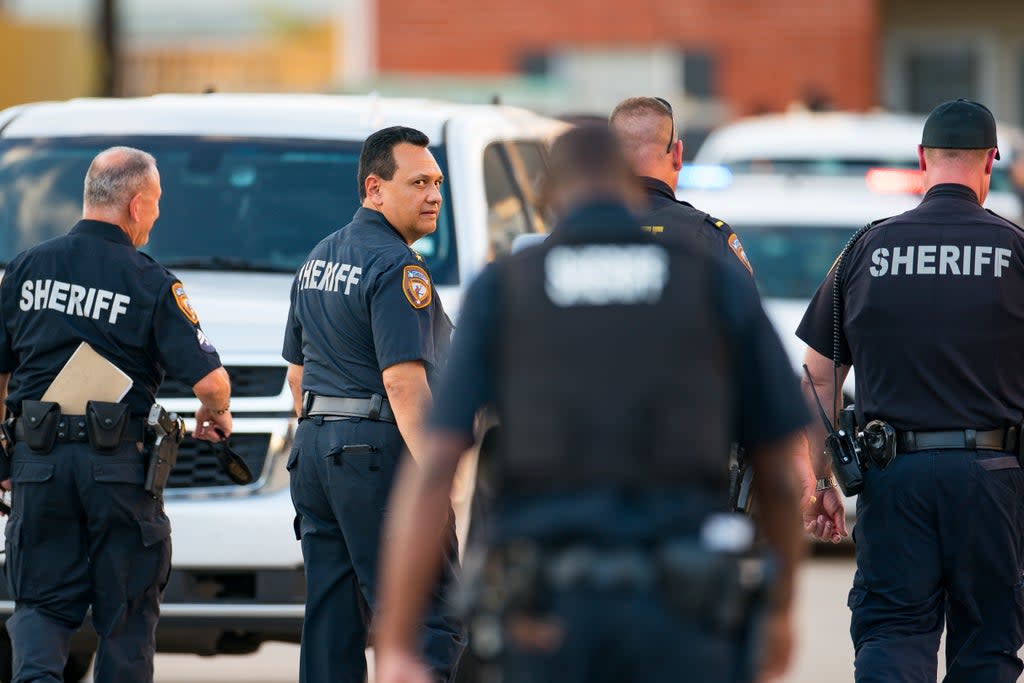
x: 672, y: 118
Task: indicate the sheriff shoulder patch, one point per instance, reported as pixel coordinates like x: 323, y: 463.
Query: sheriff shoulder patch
x: 178, y: 290
x: 737, y: 248
x: 417, y: 287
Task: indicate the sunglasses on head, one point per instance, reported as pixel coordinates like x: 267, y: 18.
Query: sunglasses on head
x: 672, y: 136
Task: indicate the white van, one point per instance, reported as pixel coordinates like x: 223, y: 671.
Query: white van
x: 250, y: 185
x: 843, y: 145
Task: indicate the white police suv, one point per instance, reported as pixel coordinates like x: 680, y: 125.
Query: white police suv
x: 250, y: 185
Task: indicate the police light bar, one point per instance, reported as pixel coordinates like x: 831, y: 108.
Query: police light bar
x: 704, y: 177
x: 895, y: 180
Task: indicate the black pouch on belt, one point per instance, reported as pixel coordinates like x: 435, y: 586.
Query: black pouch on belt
x: 39, y: 424
x: 106, y: 423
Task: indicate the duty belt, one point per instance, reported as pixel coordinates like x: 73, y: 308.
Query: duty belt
x: 341, y: 407
x: 1006, y: 440
x: 74, y: 429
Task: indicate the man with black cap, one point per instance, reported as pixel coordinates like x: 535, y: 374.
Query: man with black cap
x: 931, y: 313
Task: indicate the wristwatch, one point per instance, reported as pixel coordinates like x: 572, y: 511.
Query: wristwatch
x: 825, y: 483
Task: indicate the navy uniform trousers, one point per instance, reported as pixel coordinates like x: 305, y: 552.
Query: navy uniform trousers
x: 940, y: 539
x: 340, y: 500
x: 83, y: 533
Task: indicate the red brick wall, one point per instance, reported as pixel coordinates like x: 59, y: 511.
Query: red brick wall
x: 768, y: 52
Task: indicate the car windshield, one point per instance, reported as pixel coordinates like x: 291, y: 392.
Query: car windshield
x: 790, y: 262
x: 836, y: 166
x: 227, y: 204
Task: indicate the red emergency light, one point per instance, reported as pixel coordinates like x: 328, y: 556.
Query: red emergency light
x: 895, y: 180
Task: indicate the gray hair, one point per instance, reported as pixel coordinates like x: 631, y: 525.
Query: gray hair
x: 116, y: 175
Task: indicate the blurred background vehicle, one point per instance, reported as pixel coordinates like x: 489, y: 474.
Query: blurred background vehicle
x: 846, y: 145
x: 793, y: 227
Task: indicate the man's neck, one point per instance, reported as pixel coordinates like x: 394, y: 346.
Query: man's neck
x: 106, y: 217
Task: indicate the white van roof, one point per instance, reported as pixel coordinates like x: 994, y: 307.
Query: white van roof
x: 337, y: 117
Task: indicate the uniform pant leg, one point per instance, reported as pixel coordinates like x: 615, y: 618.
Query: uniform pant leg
x: 898, y: 595
x: 360, y: 486
x: 47, y: 568
x: 985, y: 565
x: 130, y: 553
x: 334, y: 630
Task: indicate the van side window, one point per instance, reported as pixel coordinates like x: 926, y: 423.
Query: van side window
x: 534, y: 164
x: 506, y: 213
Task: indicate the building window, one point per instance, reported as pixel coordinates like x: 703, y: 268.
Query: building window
x: 698, y: 71
x: 536, y: 64
x: 933, y: 77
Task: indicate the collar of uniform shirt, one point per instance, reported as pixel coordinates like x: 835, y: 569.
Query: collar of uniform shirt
x: 101, y: 229
x: 597, y: 220
x: 364, y: 215
x: 657, y: 186
x: 954, y: 190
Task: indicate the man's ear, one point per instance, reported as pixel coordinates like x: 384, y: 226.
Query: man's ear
x: 677, y: 155
x: 920, y: 158
x: 372, y: 188
x: 133, y: 207
x: 989, y: 160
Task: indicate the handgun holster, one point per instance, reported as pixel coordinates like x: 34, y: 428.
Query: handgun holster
x: 39, y: 424
x: 107, y: 423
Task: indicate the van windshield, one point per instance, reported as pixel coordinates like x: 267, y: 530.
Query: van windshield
x: 227, y: 204
x: 790, y: 262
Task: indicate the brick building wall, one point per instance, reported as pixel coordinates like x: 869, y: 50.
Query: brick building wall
x: 766, y: 54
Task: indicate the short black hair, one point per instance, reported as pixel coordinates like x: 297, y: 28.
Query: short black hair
x: 588, y: 151
x: 378, y: 153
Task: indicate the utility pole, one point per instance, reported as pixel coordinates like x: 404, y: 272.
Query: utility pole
x: 109, y: 39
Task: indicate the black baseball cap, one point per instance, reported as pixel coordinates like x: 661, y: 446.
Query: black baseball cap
x: 960, y: 124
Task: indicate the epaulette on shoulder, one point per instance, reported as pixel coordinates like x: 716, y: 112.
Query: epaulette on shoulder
x: 718, y: 223
x: 1004, y: 218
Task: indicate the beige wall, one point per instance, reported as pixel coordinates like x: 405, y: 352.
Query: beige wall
x: 992, y: 29
x: 301, y: 60
x: 39, y: 62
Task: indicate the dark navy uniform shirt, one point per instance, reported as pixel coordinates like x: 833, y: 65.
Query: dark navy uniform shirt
x: 92, y: 285
x: 362, y: 302
x: 770, y: 402
x: 668, y: 215
x: 932, y: 316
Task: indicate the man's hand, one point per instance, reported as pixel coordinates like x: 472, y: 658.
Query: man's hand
x: 825, y: 519
x: 208, y: 424
x: 777, y: 651
x: 399, y: 666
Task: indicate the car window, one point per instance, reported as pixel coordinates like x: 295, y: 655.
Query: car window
x: 506, y: 213
x: 790, y: 262
x: 227, y: 204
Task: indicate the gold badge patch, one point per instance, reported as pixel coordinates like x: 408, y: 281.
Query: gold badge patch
x: 417, y: 287
x: 184, y: 304
x: 737, y: 248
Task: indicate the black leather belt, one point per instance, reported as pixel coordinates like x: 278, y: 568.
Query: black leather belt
x: 73, y: 429
x: 340, y: 407
x: 992, y: 440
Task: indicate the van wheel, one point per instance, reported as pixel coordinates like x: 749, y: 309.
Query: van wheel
x: 78, y: 666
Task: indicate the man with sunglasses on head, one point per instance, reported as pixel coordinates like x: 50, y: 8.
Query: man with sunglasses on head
x: 646, y: 129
